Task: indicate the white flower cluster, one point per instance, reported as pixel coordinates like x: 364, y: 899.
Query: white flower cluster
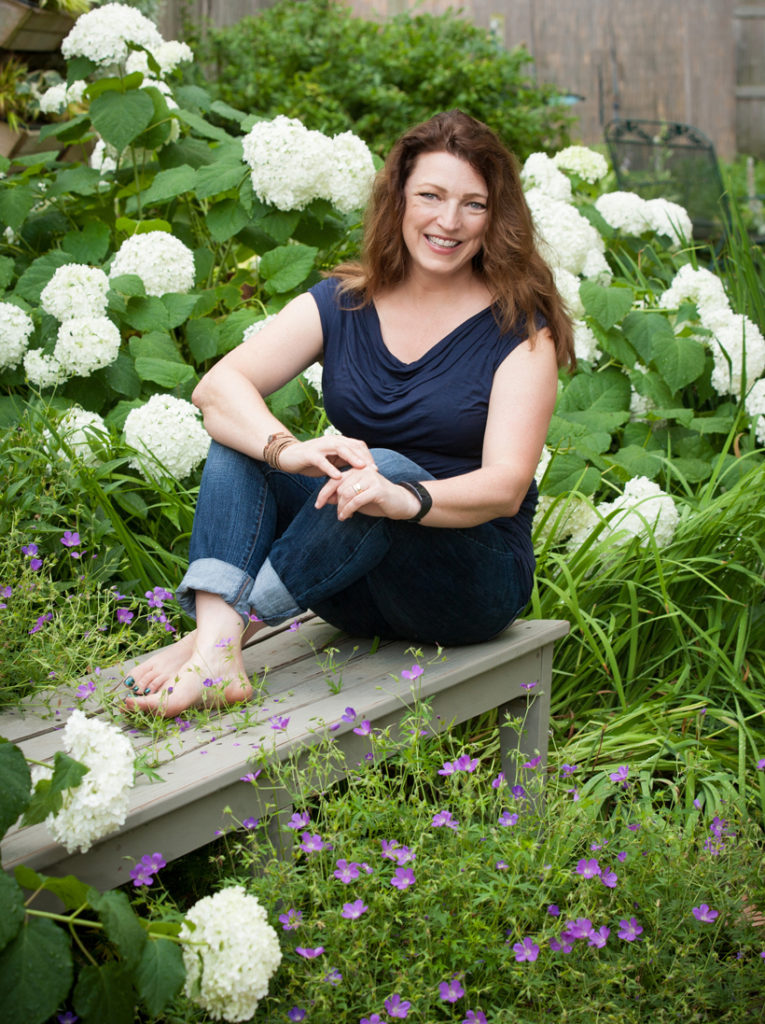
x: 162, y: 261
x: 169, y: 430
x: 643, y: 508
x: 42, y: 370
x: 313, y: 375
x: 75, y: 291
x: 103, y: 34
x: 291, y: 166
x: 257, y: 327
x: 78, y: 429
x: 568, y: 239
x: 582, y: 161
x: 572, y: 519
x: 169, y: 55
x: 755, y: 406
x: 738, y: 347
x: 634, y: 215
x: 86, y: 344
x: 539, y: 171
x: 230, y: 953
x: 56, y: 99
x: 99, y: 805
x: 15, y: 328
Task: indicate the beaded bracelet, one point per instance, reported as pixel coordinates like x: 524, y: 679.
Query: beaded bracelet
x: 275, y: 445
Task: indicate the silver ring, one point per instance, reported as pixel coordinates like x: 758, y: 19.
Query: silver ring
x: 358, y: 488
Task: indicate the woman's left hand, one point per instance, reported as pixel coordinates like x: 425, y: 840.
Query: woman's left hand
x: 369, y: 492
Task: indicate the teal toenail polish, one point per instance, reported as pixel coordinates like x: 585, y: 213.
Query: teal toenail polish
x: 129, y: 681
x: 147, y: 690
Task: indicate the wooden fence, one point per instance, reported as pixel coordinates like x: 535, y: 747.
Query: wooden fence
x: 697, y: 61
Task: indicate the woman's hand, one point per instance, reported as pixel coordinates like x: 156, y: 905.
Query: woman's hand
x: 367, y: 491
x: 323, y: 456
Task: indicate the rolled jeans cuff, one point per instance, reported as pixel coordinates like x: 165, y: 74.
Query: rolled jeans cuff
x: 267, y: 596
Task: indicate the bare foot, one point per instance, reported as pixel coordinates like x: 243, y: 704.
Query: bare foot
x: 157, y: 670
x: 212, y: 678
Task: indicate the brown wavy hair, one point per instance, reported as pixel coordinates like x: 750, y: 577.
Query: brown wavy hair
x: 519, y: 280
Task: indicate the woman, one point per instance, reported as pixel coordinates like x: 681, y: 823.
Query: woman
x: 440, y: 351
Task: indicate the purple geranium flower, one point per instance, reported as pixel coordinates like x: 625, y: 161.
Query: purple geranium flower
x: 334, y: 977
x: 67, y: 1018
x: 374, y: 1019
x: 142, y: 875
x: 450, y: 991
x: 251, y: 777
x: 609, y: 878
x: 529, y: 686
x: 507, y: 819
x: 705, y: 913
x: 299, y: 820
x: 412, y: 673
x: 40, y: 622
x: 444, y: 819
x: 568, y: 769
x: 629, y: 930
x: 599, y: 936
x: 620, y: 774
x: 85, y: 689
x: 581, y: 928
x: 349, y: 715
x: 353, y: 911
x: 588, y: 868
x: 153, y: 861
x: 308, y: 953
x: 70, y: 539
x: 312, y: 843
x: 124, y: 615
x: 526, y: 950
x: 402, y: 878
x: 278, y: 723
x: 397, y: 1007
x: 553, y: 910
x: 475, y: 1017
x: 346, y: 872
x: 290, y: 921
x: 761, y: 765
x: 251, y: 823
x: 297, y: 1013
x: 364, y: 729
x: 499, y: 781
x: 533, y: 763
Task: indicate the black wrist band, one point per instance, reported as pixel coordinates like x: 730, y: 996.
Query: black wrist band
x: 426, y: 502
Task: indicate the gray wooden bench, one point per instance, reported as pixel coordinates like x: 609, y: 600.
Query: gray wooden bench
x: 201, y: 768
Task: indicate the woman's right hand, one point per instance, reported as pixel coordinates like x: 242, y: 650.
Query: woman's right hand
x: 324, y: 456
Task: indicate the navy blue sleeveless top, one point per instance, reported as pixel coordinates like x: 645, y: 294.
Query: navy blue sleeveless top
x: 433, y: 410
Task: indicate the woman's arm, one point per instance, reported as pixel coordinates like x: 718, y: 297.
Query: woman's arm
x: 520, y: 408
x: 231, y: 394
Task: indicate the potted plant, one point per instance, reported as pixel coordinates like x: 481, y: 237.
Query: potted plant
x: 37, y: 26
x: 21, y: 115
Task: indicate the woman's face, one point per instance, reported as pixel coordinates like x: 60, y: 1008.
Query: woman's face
x: 445, y: 214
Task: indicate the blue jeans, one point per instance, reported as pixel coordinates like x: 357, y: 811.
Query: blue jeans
x: 260, y: 544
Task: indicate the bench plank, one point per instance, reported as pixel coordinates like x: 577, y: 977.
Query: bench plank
x: 201, y: 768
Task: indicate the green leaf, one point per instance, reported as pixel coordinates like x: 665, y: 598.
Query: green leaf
x: 232, y: 331
x: 160, y: 974
x: 15, y: 204
x: 287, y: 397
x: 679, y: 360
x: 202, y: 127
x: 713, y: 424
x: 31, y: 283
x: 160, y: 126
x: 114, y: 84
x: 89, y: 245
x: 146, y: 313
x: 79, y: 68
x: 636, y: 461
x: 605, y: 391
x: 643, y: 328
x: 104, y: 994
x: 230, y: 113
x: 81, y: 180
x: 121, y: 924
x: 279, y: 224
x: 121, y: 117
x: 44, y: 802
x: 11, y: 909
x: 692, y: 470
x: 70, y: 890
x: 35, y: 972
x: 569, y: 472
x: 15, y: 784
x: 288, y: 266
x: 203, y: 338
x: 142, y: 227
x: 606, y: 305
x: 170, y: 184
x: 122, y: 378
x: 7, y: 266
x: 127, y: 284
x: 132, y: 503
x: 67, y: 773
x: 225, y: 219
x: 164, y: 373
x: 565, y: 433
x: 155, y: 345
x: 179, y: 307
x: 218, y: 177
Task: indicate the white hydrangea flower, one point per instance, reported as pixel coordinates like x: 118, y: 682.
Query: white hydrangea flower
x: 331, y: 431
x: 313, y: 375
x: 699, y: 286
x: 79, y: 429
x: 230, y: 953
x: 99, y: 805
x: 571, y: 520
x: 540, y: 172
x: 162, y: 261
x: 739, y: 354
x: 169, y: 55
x: 53, y: 100
x: 567, y: 238
x: 290, y: 165
x: 75, y: 290
x: 42, y: 370
x: 596, y: 267
x: 568, y: 287
x: 103, y: 158
x: 15, y: 329
x: 671, y: 219
x: 624, y: 211
x: 102, y: 34
x: 170, y: 431
x: 86, y: 344
x: 755, y: 407
x: 544, y: 462
x: 585, y: 342
x: 351, y: 173
x: 258, y: 326
x: 643, y: 507
x: 580, y: 160
x: 640, y: 406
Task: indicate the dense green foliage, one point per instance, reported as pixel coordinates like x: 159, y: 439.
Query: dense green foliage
x: 317, y: 62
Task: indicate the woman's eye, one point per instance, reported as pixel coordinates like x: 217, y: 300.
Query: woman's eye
x: 428, y: 195
x: 475, y: 205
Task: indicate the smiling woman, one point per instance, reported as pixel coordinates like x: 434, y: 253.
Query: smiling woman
x: 413, y: 520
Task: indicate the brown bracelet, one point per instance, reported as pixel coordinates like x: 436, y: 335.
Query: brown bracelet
x: 275, y: 445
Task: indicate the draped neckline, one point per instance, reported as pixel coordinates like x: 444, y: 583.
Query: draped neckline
x: 434, y: 348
